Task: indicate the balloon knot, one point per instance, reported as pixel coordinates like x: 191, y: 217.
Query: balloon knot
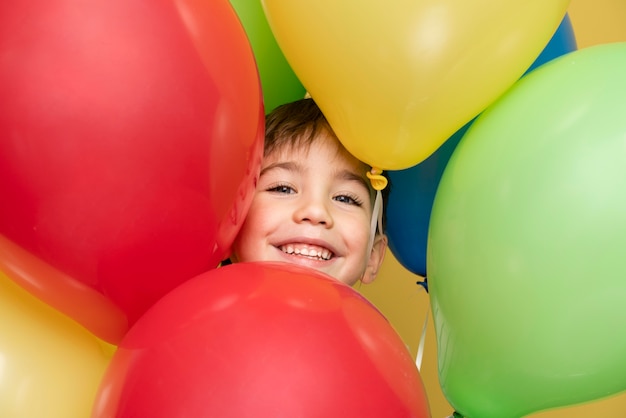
x: 379, y: 182
x: 424, y: 284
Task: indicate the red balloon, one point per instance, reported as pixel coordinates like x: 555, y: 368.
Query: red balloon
x: 130, y: 141
x: 262, y: 340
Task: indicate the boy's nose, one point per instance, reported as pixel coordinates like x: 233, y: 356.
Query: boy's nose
x: 314, y: 211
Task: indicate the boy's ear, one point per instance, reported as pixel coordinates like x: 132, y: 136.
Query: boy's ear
x: 376, y: 258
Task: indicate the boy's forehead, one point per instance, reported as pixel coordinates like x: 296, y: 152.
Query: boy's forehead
x: 301, y: 150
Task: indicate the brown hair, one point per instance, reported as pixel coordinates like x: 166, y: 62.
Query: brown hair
x: 298, y: 124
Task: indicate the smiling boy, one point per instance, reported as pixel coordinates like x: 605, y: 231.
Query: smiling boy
x: 314, y: 203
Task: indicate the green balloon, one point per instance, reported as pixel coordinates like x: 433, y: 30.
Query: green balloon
x: 278, y: 81
x: 527, y: 244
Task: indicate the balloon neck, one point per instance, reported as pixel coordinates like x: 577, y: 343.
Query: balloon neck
x: 379, y: 182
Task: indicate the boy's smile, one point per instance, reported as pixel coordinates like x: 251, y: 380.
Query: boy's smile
x: 305, y: 250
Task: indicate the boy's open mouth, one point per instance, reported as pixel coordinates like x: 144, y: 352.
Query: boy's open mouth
x: 306, y: 250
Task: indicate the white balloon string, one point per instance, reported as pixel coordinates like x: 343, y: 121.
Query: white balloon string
x: 420, y: 347
x: 377, y: 220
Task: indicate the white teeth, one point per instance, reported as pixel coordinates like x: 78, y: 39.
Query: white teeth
x: 306, y: 251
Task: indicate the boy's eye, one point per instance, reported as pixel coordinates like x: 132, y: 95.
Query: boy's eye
x: 350, y: 200
x: 281, y: 188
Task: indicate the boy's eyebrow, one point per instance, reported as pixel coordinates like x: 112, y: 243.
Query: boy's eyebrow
x: 352, y: 176
x: 285, y: 165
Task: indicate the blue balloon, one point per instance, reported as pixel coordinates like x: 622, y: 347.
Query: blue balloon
x: 410, y: 203
x: 413, y: 190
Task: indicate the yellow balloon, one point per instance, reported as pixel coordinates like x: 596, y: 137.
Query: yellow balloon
x: 49, y: 365
x: 397, y: 79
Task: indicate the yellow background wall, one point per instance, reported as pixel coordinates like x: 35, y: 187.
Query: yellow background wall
x: 405, y: 304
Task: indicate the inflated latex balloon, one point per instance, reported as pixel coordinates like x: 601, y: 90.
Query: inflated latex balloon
x: 49, y: 365
x: 130, y: 140
x: 279, y: 83
x: 262, y: 340
x: 413, y: 192
x: 87, y: 306
x: 396, y: 79
x: 526, y: 244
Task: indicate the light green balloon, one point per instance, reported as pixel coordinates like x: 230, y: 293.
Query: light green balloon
x: 278, y: 81
x: 527, y: 244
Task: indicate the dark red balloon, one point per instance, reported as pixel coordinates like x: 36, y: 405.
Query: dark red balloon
x: 262, y: 340
x: 130, y: 139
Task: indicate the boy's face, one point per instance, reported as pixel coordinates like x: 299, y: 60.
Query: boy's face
x: 312, y: 207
